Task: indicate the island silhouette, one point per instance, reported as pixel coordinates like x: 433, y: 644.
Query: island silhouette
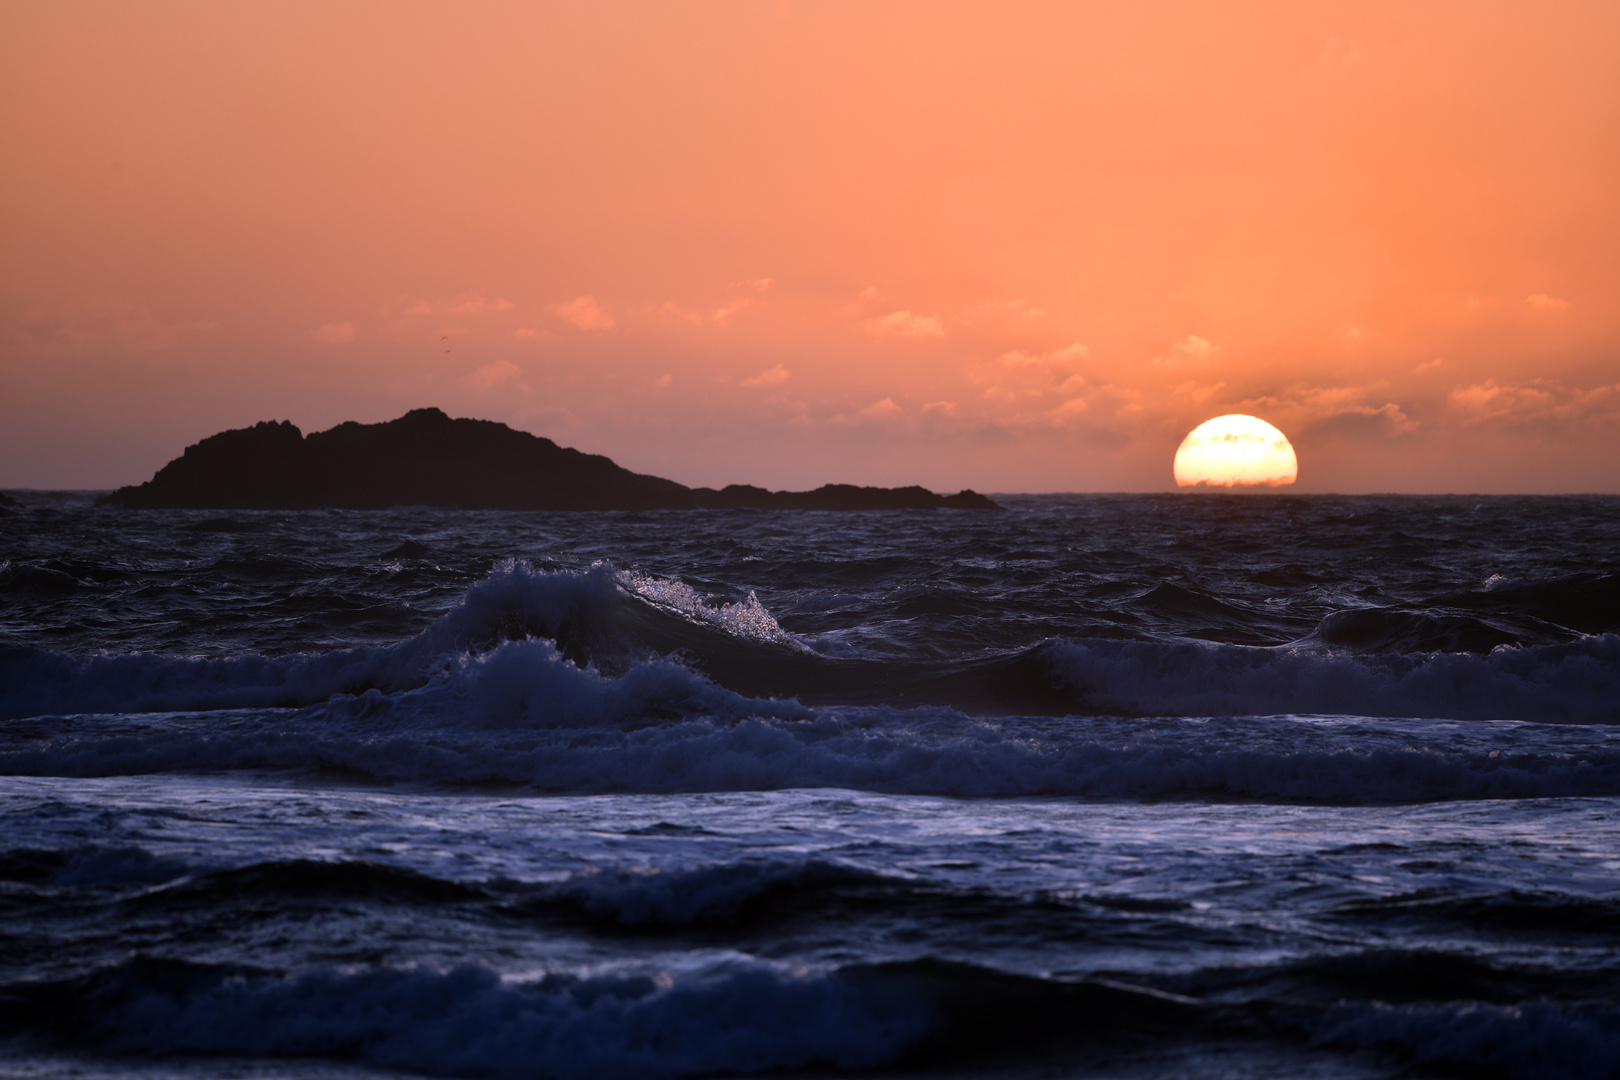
x: 425, y: 458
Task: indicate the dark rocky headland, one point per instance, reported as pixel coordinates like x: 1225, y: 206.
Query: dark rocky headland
x: 427, y: 459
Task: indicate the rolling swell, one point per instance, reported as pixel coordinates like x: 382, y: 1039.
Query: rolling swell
x: 756, y: 1018
x: 614, y: 622
x: 521, y: 715
x: 605, y: 681
x: 1578, y: 682
x: 468, y: 1021
x: 737, y: 1019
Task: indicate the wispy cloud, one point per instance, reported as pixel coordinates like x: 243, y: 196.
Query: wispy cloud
x: 1353, y: 412
x: 732, y: 308
x: 495, y: 374
x: 1192, y: 350
x: 1066, y: 355
x: 881, y: 410
x: 905, y: 324
x: 461, y: 304
x: 1538, y: 401
x: 1543, y: 302
x: 739, y: 304
x: 673, y: 312
x: 583, y: 312
x: 480, y: 305
x: 776, y: 376
x: 94, y: 324
x: 1387, y: 421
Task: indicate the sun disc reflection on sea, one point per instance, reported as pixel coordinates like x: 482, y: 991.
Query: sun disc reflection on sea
x: 1235, y: 451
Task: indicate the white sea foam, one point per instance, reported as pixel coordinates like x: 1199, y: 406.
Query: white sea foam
x: 745, y: 618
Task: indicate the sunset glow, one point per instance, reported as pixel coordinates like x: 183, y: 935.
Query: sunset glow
x: 1017, y: 248
x: 1235, y: 451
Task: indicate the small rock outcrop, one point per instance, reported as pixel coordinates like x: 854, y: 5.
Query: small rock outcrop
x: 425, y: 458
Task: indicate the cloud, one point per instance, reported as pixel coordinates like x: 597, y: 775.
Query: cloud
x: 731, y: 308
x: 1193, y: 350
x: 1542, y: 302
x: 1339, y: 411
x: 1066, y: 355
x: 1429, y: 365
x: 881, y: 410
x: 478, y: 305
x: 671, y: 311
x: 739, y: 304
x: 461, y: 304
x: 1017, y: 310
x: 334, y: 333
x: 527, y: 333
x: 88, y: 325
x: 664, y: 381
x: 1195, y: 392
x: 939, y: 408
x: 1387, y: 421
x: 776, y: 376
x: 495, y: 374
x: 1538, y: 401
x: 583, y: 312
x: 905, y: 324
x: 1069, y: 410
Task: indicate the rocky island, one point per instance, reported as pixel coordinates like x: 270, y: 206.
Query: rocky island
x: 425, y: 458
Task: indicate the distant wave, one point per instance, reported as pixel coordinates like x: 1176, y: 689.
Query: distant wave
x: 1577, y: 682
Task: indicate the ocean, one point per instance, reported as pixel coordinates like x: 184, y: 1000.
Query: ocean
x: 1109, y: 786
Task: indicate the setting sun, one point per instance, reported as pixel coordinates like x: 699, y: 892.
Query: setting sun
x: 1235, y: 451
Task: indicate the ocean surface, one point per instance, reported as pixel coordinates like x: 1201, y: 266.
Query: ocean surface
x: 1109, y: 786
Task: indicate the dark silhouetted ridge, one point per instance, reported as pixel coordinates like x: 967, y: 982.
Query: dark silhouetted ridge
x: 427, y: 459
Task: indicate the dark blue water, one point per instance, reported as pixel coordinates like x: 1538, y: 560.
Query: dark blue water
x: 1129, y: 786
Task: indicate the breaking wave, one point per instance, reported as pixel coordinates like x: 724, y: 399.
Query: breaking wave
x: 601, y: 681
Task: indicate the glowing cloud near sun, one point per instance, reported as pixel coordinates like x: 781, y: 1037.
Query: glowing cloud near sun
x: 1235, y: 451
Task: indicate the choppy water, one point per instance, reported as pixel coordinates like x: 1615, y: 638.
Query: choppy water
x: 1128, y: 786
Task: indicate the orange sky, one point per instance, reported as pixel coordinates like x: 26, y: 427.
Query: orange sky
x: 1013, y: 247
